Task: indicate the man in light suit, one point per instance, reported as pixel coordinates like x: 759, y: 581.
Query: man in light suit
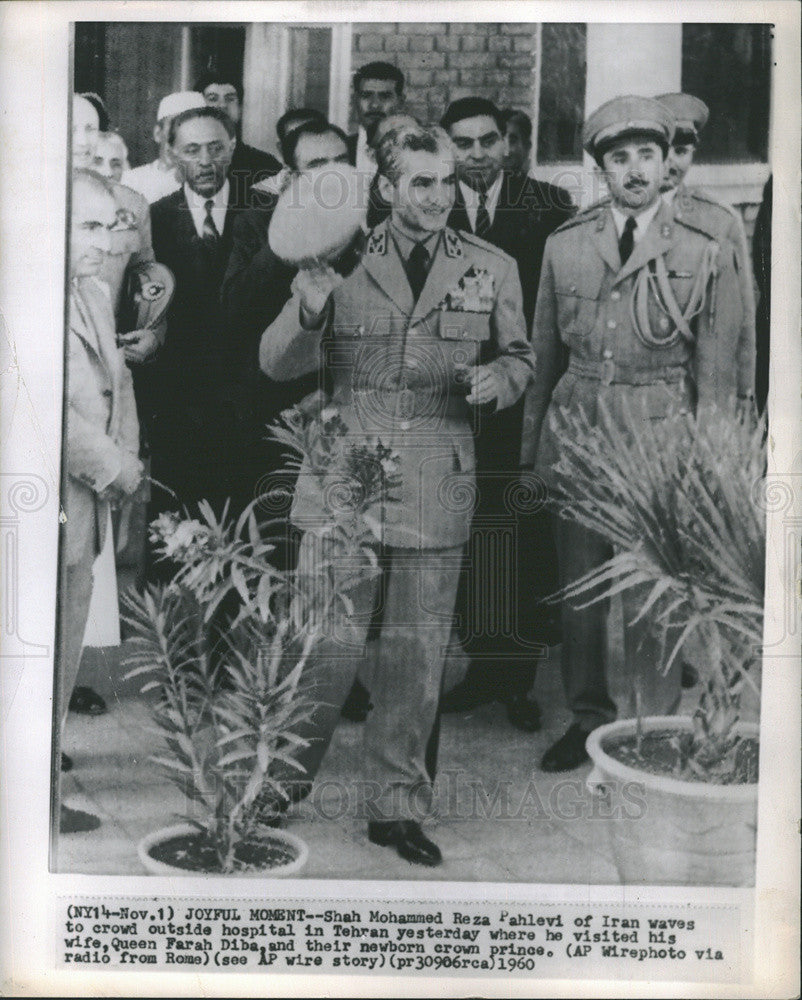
x: 403, y: 335
x: 102, y: 431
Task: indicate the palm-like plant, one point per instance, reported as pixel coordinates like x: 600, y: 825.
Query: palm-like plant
x: 230, y: 747
x: 677, y: 499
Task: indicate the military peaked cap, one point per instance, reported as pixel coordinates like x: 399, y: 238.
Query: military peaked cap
x: 625, y: 116
x: 690, y: 115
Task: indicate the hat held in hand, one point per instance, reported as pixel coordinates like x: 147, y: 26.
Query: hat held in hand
x: 319, y: 215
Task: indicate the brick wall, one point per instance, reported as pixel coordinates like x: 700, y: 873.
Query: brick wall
x: 442, y: 61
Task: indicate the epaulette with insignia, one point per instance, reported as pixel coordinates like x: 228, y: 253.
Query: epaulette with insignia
x: 586, y: 215
x: 377, y: 242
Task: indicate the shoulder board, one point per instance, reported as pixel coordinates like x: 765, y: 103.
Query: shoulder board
x: 471, y: 239
x: 698, y: 225
x: 586, y: 215
x: 699, y: 194
x: 702, y: 209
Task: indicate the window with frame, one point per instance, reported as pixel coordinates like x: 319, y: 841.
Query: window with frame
x: 561, y: 104
x: 728, y: 66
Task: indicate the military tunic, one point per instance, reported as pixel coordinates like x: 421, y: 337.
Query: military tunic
x: 606, y: 332
x: 695, y: 207
x: 398, y: 370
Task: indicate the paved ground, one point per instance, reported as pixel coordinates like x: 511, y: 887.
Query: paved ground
x: 500, y: 818
x: 482, y: 758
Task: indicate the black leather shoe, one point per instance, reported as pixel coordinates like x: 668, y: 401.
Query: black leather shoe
x: 66, y: 762
x: 568, y: 752
x: 357, y: 704
x: 85, y: 701
x: 523, y: 713
x: 406, y: 836
x: 464, y: 698
x: 690, y: 676
x: 77, y: 821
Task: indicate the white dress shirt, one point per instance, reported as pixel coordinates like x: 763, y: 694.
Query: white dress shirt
x: 197, y: 206
x: 641, y: 221
x: 365, y: 157
x: 471, y: 198
x: 152, y: 180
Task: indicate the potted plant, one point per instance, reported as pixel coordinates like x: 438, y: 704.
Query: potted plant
x: 677, y: 499
x: 228, y: 686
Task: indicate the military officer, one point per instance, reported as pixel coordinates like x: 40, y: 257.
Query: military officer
x: 403, y: 334
x: 648, y: 309
x: 699, y: 208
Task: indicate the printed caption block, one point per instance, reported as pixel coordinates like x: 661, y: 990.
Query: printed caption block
x: 642, y: 941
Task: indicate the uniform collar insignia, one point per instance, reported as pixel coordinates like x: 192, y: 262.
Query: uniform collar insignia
x: 377, y: 242
x: 452, y: 244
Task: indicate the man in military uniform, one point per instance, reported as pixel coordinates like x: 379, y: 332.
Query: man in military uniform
x: 698, y: 208
x: 648, y: 309
x: 404, y: 333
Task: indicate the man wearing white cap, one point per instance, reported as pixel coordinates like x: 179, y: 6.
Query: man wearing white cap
x: 158, y: 178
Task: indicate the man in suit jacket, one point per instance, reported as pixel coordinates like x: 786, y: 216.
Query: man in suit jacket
x: 404, y: 331
x: 196, y: 377
x: 256, y: 285
x: 516, y: 214
x: 102, y: 433
x: 249, y: 165
x: 649, y: 310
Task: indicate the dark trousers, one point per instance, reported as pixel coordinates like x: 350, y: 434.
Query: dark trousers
x: 510, y: 567
x: 597, y: 691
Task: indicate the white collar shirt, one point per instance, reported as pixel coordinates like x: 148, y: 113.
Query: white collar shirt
x: 197, y: 206
x: 642, y: 220
x: 471, y: 198
x: 365, y: 157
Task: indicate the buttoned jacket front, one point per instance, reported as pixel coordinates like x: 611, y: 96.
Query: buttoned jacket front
x: 398, y: 371
x: 585, y: 336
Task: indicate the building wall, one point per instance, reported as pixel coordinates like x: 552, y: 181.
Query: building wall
x: 443, y: 62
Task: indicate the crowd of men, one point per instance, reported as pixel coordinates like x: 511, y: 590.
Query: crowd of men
x: 482, y: 305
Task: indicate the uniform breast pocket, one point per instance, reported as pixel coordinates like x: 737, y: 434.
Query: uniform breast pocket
x: 578, y: 306
x: 473, y: 326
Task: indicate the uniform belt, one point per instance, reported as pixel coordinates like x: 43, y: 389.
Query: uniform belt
x: 408, y: 404
x: 609, y: 373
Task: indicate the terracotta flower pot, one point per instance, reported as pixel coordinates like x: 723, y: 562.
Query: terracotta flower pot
x: 155, y: 867
x: 685, y: 832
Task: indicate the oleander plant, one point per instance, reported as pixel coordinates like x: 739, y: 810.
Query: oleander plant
x: 222, y: 649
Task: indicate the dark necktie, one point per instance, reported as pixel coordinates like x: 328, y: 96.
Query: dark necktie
x: 627, y: 241
x: 417, y: 269
x: 482, y: 227
x: 210, y: 232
